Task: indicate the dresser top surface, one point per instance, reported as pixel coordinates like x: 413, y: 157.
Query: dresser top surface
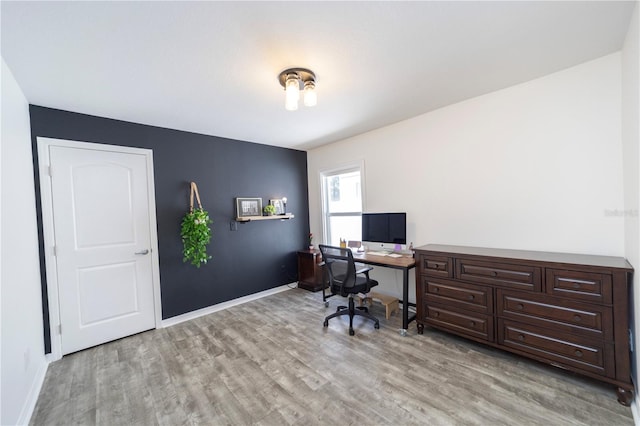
x: 538, y: 256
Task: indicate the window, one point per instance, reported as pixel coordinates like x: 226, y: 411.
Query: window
x: 342, y: 205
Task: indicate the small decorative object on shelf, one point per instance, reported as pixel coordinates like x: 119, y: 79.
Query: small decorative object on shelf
x: 269, y: 210
x: 310, y: 241
x: 278, y: 204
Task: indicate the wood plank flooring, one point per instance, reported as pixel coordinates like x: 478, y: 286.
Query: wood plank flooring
x: 271, y: 362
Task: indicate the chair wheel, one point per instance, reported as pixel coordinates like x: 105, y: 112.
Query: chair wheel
x: 326, y: 323
x: 326, y: 304
x: 351, y: 332
x: 376, y: 325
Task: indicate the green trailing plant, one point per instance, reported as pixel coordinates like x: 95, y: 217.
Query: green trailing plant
x: 195, y: 232
x: 269, y: 209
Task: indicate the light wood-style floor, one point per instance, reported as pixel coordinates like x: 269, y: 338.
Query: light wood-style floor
x: 270, y: 362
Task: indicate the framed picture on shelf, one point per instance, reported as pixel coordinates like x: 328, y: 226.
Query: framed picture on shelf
x: 278, y: 204
x: 246, y: 207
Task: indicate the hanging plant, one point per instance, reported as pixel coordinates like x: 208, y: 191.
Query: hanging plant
x: 195, y: 232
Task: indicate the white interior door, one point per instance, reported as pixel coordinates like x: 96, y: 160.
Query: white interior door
x: 103, y: 243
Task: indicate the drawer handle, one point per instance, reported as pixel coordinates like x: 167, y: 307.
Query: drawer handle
x: 437, y: 266
x: 436, y: 289
x: 520, y: 306
x: 436, y: 314
x: 577, y: 318
x: 578, y: 353
x: 494, y: 273
x: 472, y: 323
x: 471, y: 297
x: 520, y: 336
x: 576, y: 285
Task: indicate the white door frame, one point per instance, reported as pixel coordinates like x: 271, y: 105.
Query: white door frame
x: 49, y: 236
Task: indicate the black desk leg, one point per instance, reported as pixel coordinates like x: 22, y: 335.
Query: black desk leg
x: 405, y: 302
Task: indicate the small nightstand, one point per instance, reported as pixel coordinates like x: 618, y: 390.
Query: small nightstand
x: 310, y: 273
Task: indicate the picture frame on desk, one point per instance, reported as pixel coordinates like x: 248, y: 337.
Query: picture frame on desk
x: 247, y: 207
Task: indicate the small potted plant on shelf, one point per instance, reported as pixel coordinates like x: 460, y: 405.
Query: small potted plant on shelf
x: 269, y: 210
x: 310, y: 241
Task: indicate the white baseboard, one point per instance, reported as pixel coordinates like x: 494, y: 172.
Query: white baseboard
x: 225, y: 305
x: 34, y: 393
x: 634, y: 412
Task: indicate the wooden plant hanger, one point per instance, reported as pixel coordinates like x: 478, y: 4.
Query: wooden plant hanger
x: 194, y: 190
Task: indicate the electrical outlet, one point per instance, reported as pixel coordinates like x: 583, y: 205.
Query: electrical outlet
x: 233, y: 225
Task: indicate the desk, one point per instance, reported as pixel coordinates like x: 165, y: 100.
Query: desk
x: 404, y: 263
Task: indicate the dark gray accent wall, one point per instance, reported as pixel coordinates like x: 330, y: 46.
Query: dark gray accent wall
x: 256, y: 257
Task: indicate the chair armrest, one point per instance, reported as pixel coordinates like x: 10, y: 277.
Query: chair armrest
x: 364, y: 270
x: 325, y: 262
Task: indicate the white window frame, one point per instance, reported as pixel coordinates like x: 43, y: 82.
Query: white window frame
x: 325, y: 173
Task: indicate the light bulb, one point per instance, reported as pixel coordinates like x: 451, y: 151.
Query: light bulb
x: 292, y: 91
x: 310, y: 95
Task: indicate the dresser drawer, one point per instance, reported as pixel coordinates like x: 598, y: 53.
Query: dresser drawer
x: 458, y: 294
x: 466, y: 323
x: 501, y: 274
x: 585, y: 354
x: 437, y: 266
x: 586, y: 319
x: 579, y: 285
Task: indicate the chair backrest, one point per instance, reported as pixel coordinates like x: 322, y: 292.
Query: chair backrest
x: 340, y: 267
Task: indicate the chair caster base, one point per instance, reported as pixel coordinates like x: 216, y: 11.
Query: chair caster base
x: 326, y: 323
x: 351, y: 332
x: 376, y: 325
x: 326, y: 304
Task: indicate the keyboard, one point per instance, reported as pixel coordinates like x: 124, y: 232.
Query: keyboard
x: 384, y: 253
x: 378, y: 253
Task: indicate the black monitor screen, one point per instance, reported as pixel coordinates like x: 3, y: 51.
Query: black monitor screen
x: 388, y: 228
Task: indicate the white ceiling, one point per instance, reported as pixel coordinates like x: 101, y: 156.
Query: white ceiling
x: 212, y: 67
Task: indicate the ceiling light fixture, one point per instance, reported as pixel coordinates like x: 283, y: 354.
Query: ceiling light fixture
x: 294, y: 80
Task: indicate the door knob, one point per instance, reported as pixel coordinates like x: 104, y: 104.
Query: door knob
x: 143, y: 252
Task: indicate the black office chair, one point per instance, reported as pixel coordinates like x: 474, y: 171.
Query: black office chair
x: 344, y: 280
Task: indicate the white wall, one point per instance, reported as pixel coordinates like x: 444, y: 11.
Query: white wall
x: 535, y: 166
x: 23, y: 364
x: 631, y: 158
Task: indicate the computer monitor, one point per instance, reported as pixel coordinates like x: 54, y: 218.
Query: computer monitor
x: 388, y: 228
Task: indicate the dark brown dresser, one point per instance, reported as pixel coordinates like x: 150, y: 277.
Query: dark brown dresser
x: 567, y: 310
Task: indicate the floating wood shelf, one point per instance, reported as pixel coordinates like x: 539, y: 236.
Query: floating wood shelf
x: 272, y: 217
